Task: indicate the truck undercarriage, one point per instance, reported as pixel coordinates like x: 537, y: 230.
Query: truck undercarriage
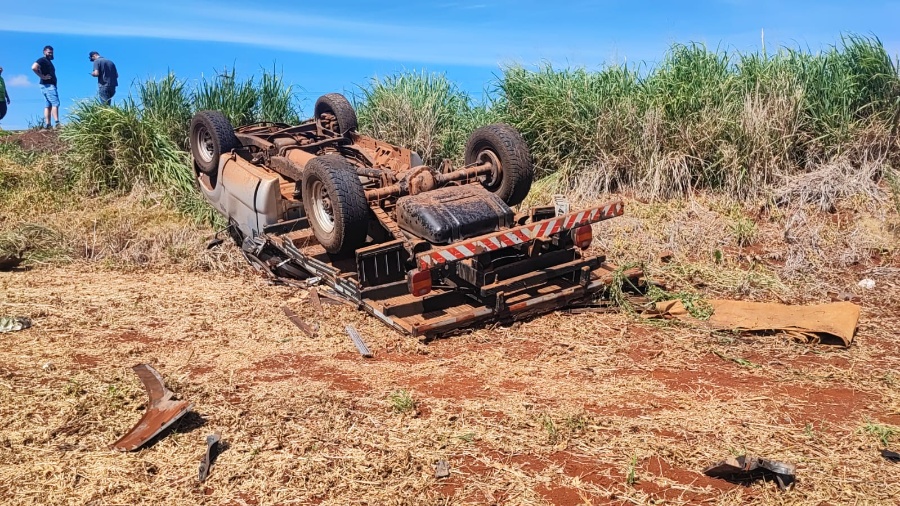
x: 427, y: 251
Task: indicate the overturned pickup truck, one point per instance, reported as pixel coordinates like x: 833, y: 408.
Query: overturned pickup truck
x: 427, y: 251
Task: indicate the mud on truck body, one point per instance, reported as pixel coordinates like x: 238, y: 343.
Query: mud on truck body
x: 426, y: 250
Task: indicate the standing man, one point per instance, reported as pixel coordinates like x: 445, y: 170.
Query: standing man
x: 107, y: 77
x: 4, y: 96
x: 44, y: 69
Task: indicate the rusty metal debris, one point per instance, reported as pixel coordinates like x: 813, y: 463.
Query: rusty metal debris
x: 13, y: 324
x: 302, y: 325
x: 442, y: 469
x: 161, y: 412
x: 357, y: 340
x: 744, y: 469
x: 333, y: 299
x: 891, y: 456
x: 314, y: 299
x: 209, y: 458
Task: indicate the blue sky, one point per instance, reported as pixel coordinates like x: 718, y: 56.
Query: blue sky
x: 338, y: 46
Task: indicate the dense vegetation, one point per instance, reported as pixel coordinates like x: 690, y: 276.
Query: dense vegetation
x: 789, y: 125
x: 702, y: 119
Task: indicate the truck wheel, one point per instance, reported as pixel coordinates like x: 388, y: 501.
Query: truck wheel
x: 338, y: 106
x: 211, y: 136
x: 335, y: 203
x: 503, y: 147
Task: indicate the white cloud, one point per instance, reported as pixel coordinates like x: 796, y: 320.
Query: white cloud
x: 339, y: 38
x: 326, y: 35
x: 19, y: 81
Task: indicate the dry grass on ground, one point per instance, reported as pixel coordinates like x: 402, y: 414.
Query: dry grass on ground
x: 561, y: 409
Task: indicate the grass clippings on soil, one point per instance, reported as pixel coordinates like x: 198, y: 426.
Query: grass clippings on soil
x: 561, y: 409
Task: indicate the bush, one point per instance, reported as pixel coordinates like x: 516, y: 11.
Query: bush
x: 423, y: 112
x: 730, y: 122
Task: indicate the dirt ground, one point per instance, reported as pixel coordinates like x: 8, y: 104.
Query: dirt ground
x: 561, y: 409
x: 46, y: 141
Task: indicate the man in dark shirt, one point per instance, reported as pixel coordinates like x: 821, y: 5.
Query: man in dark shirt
x: 4, y: 96
x: 107, y: 77
x: 45, y: 70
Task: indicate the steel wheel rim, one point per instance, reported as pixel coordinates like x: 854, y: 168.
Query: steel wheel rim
x: 321, y: 208
x: 491, y: 182
x: 205, y: 147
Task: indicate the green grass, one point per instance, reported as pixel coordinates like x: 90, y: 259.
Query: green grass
x: 710, y: 119
x: 737, y: 360
x: 167, y: 105
x: 702, y: 118
x: 883, y: 432
x: 621, y: 286
x: 424, y: 112
x: 402, y: 401
x: 144, y: 138
x: 631, y: 472
x: 694, y: 303
x: 550, y: 428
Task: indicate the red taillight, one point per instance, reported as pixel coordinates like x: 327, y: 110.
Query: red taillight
x: 583, y: 236
x: 419, y: 282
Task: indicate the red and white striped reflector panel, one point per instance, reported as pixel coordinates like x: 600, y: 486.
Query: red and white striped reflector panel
x: 518, y: 235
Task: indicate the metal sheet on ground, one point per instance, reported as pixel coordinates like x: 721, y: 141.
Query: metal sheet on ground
x: 161, y: 412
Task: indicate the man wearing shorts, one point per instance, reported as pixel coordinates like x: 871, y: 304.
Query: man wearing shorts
x: 45, y: 70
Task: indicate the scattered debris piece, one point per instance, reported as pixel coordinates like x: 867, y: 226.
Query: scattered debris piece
x: 13, y: 324
x: 335, y: 299
x: 161, y: 412
x: 810, y: 323
x: 49, y: 366
x: 892, y: 456
x: 9, y: 262
x: 867, y: 283
x: 212, y: 451
x: 666, y: 257
x: 744, y: 469
x: 314, y: 299
x: 442, y: 469
x: 446, y: 250
x: 357, y: 340
x: 302, y: 325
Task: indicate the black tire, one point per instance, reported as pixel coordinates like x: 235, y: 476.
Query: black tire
x: 502, y: 143
x: 335, y: 203
x: 211, y: 136
x: 340, y: 107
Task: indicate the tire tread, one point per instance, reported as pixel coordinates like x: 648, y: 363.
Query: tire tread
x: 339, y: 176
x: 224, y: 139
x: 510, y: 147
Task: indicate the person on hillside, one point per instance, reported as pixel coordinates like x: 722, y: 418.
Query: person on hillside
x: 45, y: 70
x: 4, y: 96
x: 107, y: 77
